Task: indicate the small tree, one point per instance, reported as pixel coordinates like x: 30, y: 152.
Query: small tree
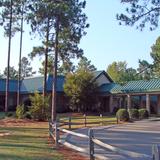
x: 40, y: 106
x: 155, y: 54
x: 80, y: 88
x: 20, y: 111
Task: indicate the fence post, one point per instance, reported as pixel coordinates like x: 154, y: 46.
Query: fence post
x: 156, y: 152
x: 91, y: 144
x: 101, y: 119
x: 85, y: 120
x: 50, y: 129
x: 117, y: 119
x: 56, y: 135
x: 69, y: 123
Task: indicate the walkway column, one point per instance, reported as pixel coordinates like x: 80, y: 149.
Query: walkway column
x: 120, y: 102
x: 158, y: 104
x: 128, y: 102
x: 141, y: 101
x: 148, y: 103
x: 111, y: 103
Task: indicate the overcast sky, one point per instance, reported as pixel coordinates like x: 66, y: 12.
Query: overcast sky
x: 104, y: 43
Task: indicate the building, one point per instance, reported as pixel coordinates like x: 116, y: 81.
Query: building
x: 111, y: 96
x: 28, y: 87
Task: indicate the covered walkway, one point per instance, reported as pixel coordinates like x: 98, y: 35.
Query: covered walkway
x: 133, y: 94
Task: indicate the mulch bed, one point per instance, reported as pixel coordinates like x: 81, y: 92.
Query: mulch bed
x: 71, y: 155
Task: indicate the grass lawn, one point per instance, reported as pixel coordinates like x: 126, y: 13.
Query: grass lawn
x: 26, y: 142
x: 91, y: 120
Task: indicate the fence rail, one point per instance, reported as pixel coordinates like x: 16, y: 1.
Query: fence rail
x: 156, y: 152
x: 54, y: 133
x: 73, y: 133
x: 70, y: 121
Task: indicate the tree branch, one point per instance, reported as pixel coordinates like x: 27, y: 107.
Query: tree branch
x: 142, y: 15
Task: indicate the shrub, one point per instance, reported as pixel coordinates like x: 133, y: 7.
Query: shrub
x: 28, y: 115
x: 133, y: 113
x: 20, y: 111
x: 122, y: 115
x: 143, y: 113
x: 40, y: 107
x: 9, y: 114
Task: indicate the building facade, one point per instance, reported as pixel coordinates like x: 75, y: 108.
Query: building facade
x: 111, y: 96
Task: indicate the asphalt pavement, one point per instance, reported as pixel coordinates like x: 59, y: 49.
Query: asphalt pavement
x: 136, y: 137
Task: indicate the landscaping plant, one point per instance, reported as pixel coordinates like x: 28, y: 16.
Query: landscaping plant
x: 122, y: 115
x: 134, y: 114
x: 20, y: 111
x: 39, y: 107
x: 143, y: 114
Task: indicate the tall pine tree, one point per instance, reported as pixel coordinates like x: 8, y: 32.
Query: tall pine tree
x: 67, y: 24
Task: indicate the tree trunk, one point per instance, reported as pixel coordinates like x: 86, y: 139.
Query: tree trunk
x: 46, y: 62
x: 8, y: 62
x: 54, y: 95
x: 20, y: 56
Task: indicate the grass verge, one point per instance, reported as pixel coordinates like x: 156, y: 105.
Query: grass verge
x: 28, y: 141
x: 91, y: 120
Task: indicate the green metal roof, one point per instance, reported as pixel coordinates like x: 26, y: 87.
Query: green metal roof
x: 152, y: 85
x: 107, y: 88
x: 32, y: 84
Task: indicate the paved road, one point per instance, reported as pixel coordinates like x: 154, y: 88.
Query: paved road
x: 137, y: 137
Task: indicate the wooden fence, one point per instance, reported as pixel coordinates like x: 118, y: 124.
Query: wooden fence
x: 156, y: 152
x: 54, y: 133
x: 70, y: 121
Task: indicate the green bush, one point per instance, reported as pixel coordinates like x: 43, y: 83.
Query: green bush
x: 40, y: 107
x: 20, y: 111
x: 9, y: 114
x: 143, y: 113
x: 122, y: 115
x: 134, y: 114
x: 28, y: 115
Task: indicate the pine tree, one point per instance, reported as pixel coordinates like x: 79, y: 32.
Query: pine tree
x: 140, y: 13
x: 67, y: 23
x: 10, y: 20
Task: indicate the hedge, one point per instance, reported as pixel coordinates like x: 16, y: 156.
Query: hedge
x: 122, y: 115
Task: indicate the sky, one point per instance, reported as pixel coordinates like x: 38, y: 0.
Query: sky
x: 106, y: 41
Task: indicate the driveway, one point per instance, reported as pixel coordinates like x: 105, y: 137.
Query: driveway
x: 137, y: 137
